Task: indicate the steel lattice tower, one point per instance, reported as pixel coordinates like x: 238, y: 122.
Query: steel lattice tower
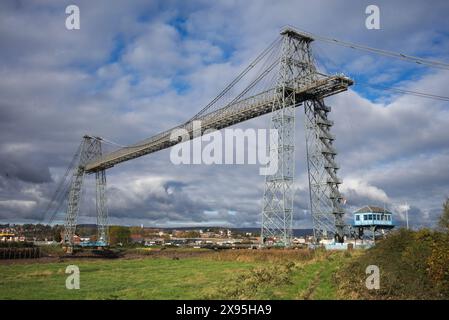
x: 296, y: 71
x: 325, y: 198
x: 102, y: 213
x: 90, y: 151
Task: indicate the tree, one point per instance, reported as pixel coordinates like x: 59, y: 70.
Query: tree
x: 119, y: 234
x: 137, y: 230
x: 444, y: 219
x: 57, y: 234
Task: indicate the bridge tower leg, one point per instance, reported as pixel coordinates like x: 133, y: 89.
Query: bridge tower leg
x: 90, y: 150
x: 102, y: 213
x: 325, y: 198
x: 296, y: 70
x: 73, y: 208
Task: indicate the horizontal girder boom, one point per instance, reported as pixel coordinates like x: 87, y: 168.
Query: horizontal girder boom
x: 229, y: 115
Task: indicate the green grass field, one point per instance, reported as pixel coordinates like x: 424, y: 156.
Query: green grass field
x: 412, y: 264
x: 243, y: 275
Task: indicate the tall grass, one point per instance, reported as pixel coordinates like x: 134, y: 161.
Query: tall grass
x: 412, y: 264
x: 266, y: 255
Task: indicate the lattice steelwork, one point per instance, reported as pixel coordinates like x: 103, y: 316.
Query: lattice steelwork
x: 281, y: 80
x: 90, y: 151
x: 325, y: 198
x: 296, y: 71
x: 295, y: 61
x: 73, y: 206
x: 102, y: 211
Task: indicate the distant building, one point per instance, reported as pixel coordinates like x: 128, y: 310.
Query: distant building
x: 299, y: 240
x: 372, y: 220
x: 137, y: 238
x: 207, y: 234
x: 177, y: 233
x: 76, y: 239
x: 7, y: 237
x: 154, y: 241
x: 372, y: 215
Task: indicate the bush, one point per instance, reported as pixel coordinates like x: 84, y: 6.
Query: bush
x: 119, y: 234
x: 413, y: 265
x: 249, y: 284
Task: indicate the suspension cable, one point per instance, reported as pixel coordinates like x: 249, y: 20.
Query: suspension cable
x: 405, y: 57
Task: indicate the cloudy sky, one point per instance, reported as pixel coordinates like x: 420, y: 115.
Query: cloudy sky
x: 138, y: 67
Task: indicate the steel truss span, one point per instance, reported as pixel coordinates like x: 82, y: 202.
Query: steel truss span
x: 280, y: 79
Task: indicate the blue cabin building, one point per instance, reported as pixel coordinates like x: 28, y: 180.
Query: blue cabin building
x: 374, y: 220
x: 373, y: 216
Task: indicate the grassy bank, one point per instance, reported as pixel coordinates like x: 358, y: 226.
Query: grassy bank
x: 236, y: 274
x: 412, y: 265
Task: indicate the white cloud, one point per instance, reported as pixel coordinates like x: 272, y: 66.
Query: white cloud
x: 364, y: 189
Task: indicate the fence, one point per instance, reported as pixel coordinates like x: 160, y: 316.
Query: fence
x: 20, y: 253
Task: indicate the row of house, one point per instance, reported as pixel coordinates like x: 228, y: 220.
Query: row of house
x: 11, y: 237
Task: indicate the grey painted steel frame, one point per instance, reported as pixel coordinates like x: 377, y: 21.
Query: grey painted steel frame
x: 325, y: 197
x: 102, y: 210
x: 296, y: 71
x: 90, y: 151
x: 298, y: 83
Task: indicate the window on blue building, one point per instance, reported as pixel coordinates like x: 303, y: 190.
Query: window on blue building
x: 365, y: 217
x: 370, y: 217
x: 357, y: 217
